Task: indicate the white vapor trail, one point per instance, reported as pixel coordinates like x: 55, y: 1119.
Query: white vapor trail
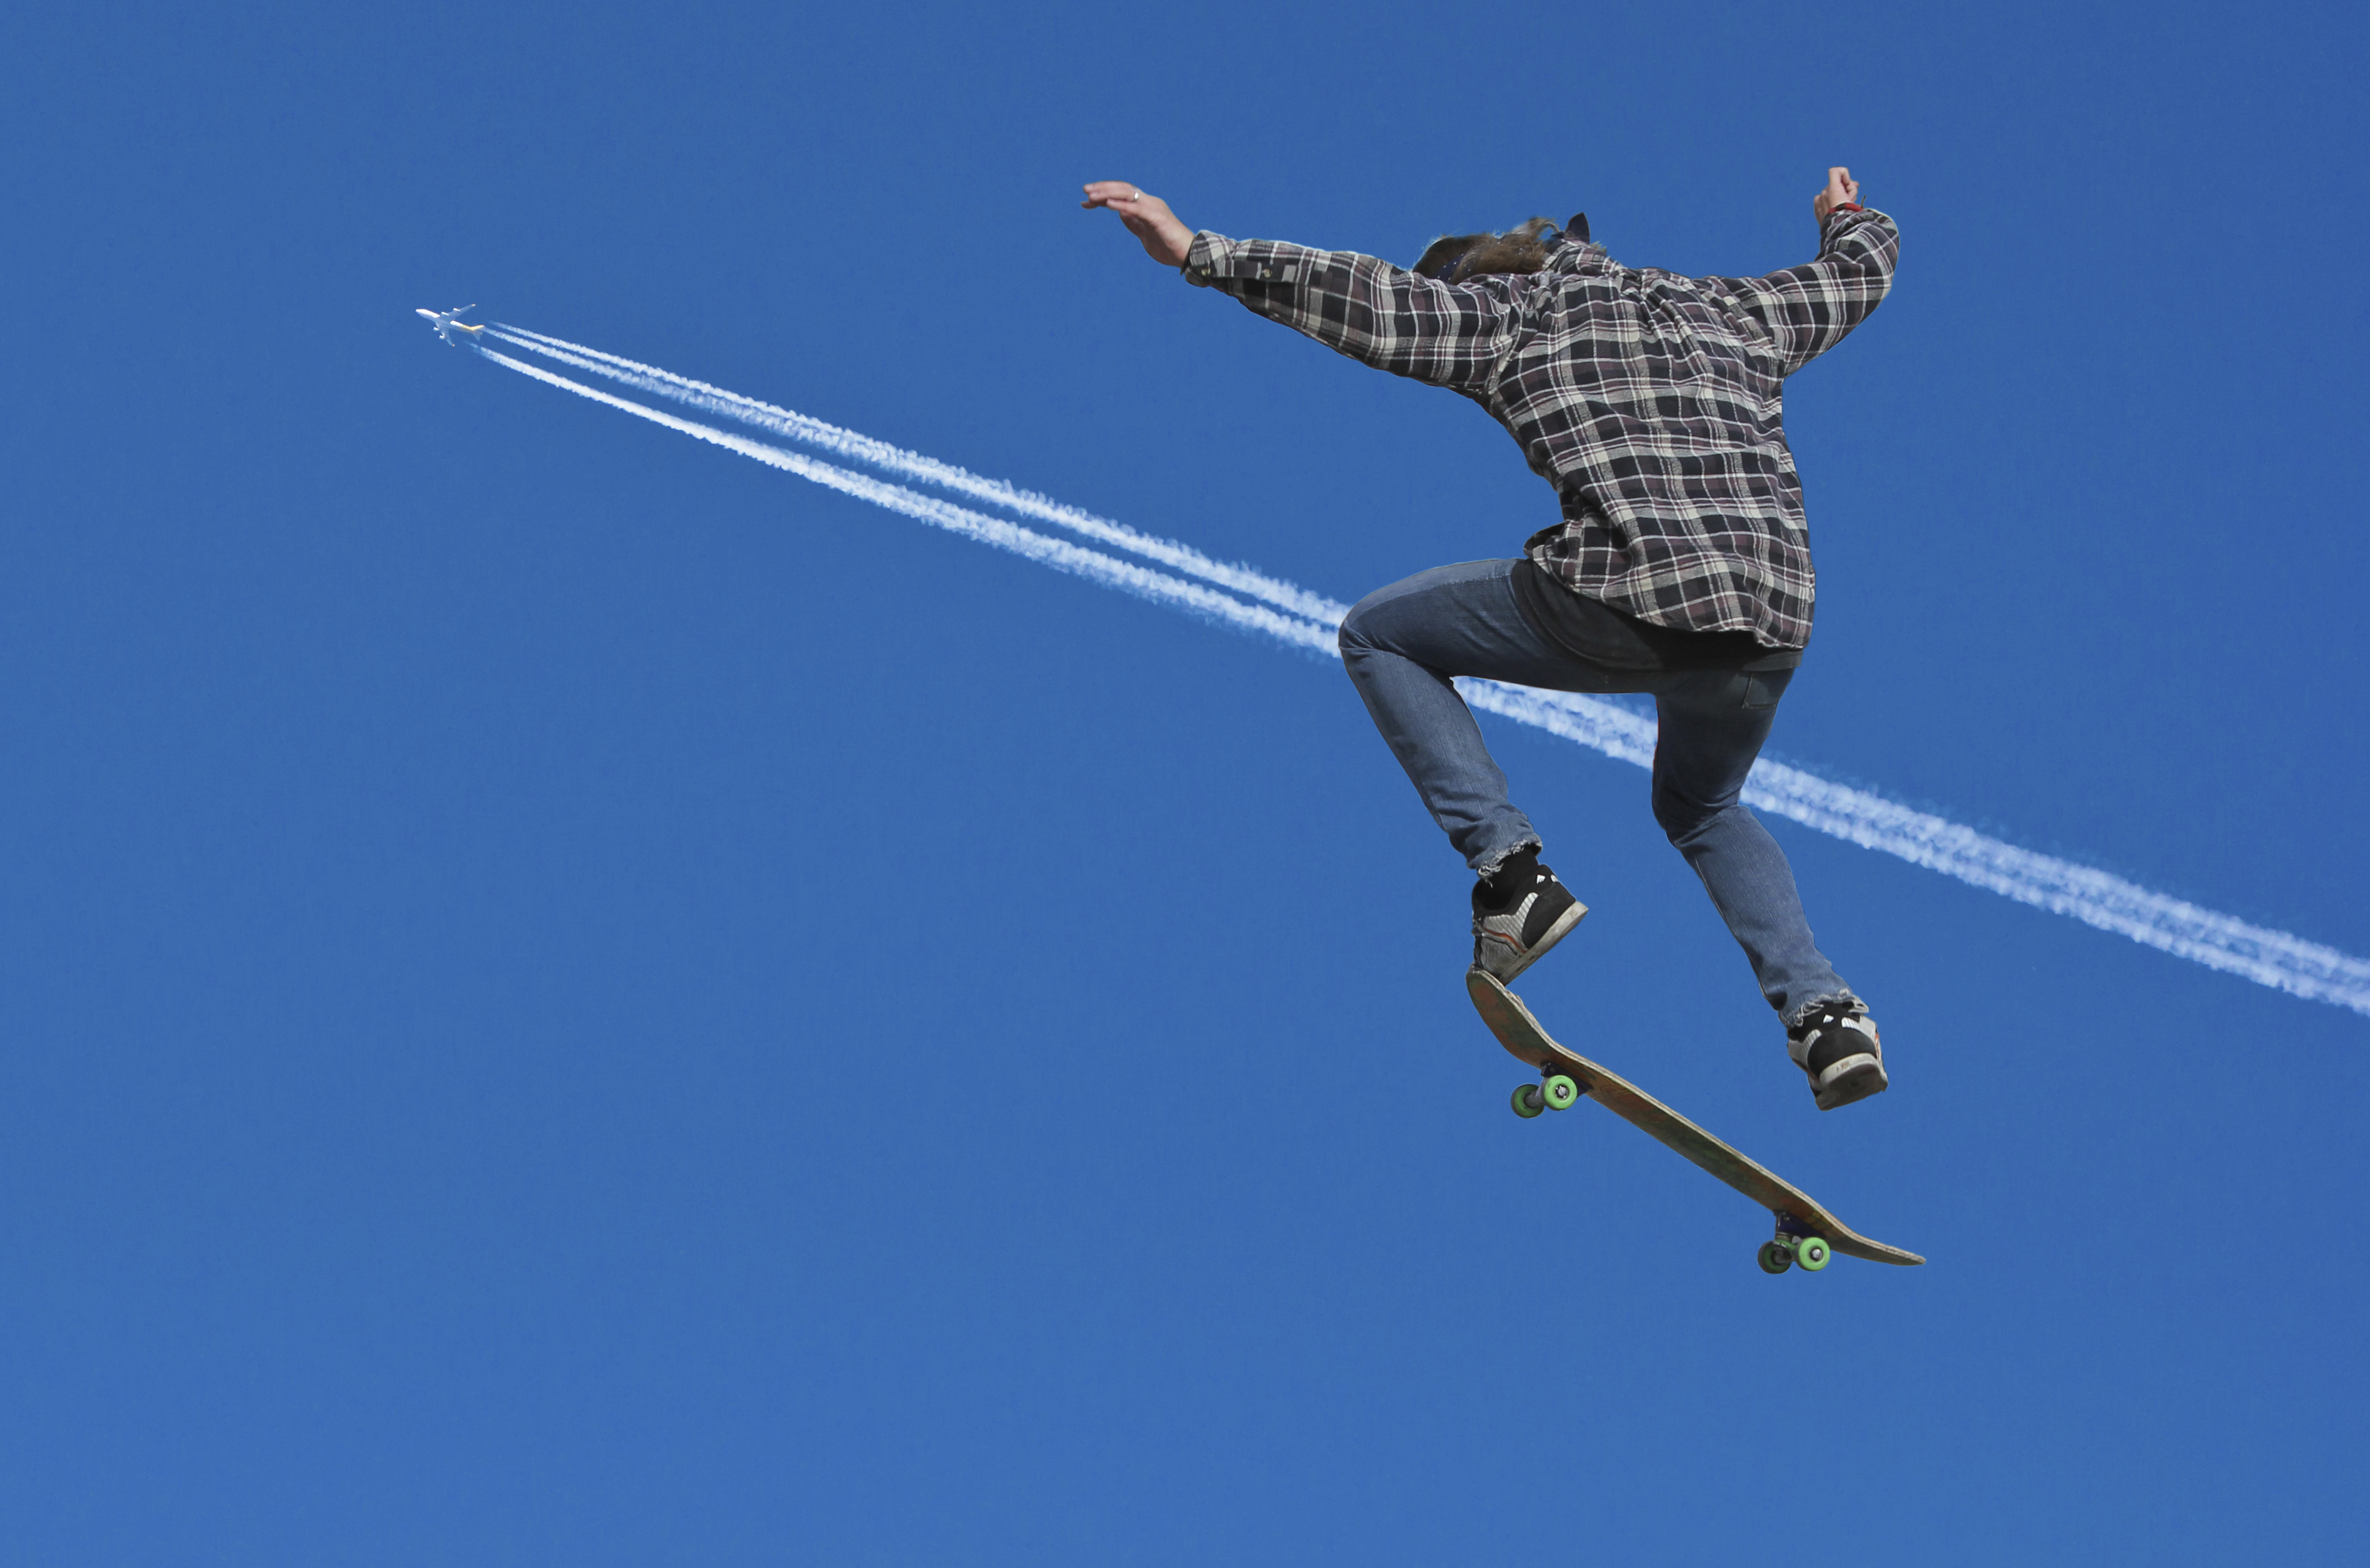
x: 810, y: 432
x: 1304, y: 620
x: 2274, y: 958
x: 1056, y: 553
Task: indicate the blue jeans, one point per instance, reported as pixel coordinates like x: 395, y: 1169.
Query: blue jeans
x: 1402, y: 644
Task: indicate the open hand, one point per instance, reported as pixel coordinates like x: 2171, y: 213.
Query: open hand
x: 1147, y: 218
x: 1842, y: 190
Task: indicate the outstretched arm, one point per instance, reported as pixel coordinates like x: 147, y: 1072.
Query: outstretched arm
x: 1448, y: 333
x: 1809, y: 310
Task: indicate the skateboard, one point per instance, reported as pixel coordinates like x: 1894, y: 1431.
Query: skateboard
x: 1807, y: 1233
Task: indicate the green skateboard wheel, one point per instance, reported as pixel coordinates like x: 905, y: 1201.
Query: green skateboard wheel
x: 1776, y: 1257
x: 1528, y: 1103
x: 1561, y: 1093
x: 1812, y: 1252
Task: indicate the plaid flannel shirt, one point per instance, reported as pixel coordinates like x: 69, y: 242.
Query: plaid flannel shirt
x: 1651, y: 402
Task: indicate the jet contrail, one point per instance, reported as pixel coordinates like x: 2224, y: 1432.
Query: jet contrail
x: 1308, y: 621
x: 1056, y: 553
x: 880, y: 455
x: 2274, y: 958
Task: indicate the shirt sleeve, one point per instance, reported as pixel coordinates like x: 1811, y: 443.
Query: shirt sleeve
x: 1809, y: 310
x: 1451, y: 335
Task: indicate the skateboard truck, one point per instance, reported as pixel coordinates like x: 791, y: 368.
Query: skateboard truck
x: 1794, y: 1243
x: 1553, y: 1092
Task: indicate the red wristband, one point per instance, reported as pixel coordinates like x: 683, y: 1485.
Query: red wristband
x: 1845, y: 207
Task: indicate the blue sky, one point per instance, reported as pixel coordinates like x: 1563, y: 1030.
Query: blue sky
x: 570, y: 997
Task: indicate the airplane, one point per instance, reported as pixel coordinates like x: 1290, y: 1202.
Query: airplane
x: 445, y: 325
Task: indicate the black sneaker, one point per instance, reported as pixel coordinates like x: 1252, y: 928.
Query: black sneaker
x: 1519, y: 912
x: 1835, y: 1043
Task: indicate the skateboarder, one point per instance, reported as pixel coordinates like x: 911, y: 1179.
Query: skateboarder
x: 1681, y: 566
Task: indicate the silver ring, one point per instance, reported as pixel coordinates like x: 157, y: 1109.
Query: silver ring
x: 1138, y: 197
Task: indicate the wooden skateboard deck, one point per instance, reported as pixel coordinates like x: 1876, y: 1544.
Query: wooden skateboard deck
x: 1800, y: 1217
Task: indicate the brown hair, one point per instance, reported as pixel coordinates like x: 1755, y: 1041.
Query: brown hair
x: 1521, y: 249
x: 1455, y: 258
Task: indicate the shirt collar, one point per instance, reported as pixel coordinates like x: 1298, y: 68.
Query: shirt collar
x: 1579, y: 255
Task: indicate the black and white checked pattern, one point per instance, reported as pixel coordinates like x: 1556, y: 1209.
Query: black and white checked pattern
x: 1651, y: 402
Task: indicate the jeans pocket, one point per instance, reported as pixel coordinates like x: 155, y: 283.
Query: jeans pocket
x: 1763, y: 689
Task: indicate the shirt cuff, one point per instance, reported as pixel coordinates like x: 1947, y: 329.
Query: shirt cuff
x: 1201, y: 258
